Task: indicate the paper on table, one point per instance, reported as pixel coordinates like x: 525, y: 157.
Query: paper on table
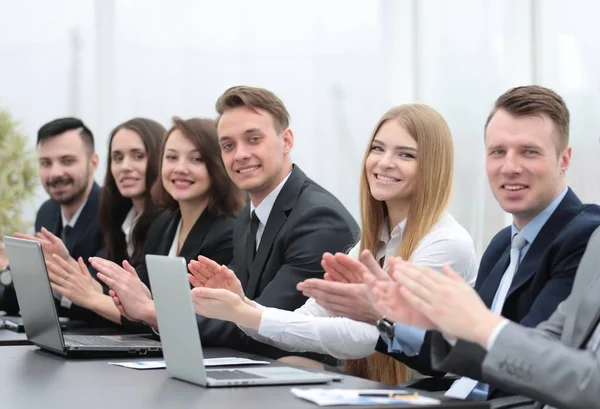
x: 329, y: 397
x: 227, y: 361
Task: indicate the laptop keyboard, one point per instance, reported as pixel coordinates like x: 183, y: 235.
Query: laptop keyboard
x: 105, y: 342
x: 234, y: 374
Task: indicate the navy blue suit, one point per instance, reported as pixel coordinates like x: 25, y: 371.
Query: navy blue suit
x: 543, y: 279
x: 83, y: 240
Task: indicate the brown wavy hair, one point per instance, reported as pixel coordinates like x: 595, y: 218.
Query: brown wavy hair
x: 225, y: 199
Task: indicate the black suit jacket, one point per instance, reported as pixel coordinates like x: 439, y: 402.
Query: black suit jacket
x: 543, y: 279
x: 85, y: 240
x: 211, y: 236
x: 305, y: 222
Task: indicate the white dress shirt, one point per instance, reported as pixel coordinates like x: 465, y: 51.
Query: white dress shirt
x: 173, y: 249
x: 127, y: 228
x: 315, y: 329
x: 64, y: 301
x: 263, y: 210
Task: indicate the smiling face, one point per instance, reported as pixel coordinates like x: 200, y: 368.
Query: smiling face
x: 184, y: 174
x: 255, y: 155
x: 66, y: 168
x: 391, y: 165
x: 525, y: 171
x: 128, y: 163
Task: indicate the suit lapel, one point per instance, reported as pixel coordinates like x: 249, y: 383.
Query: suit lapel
x: 195, y: 239
x: 283, y: 204
x: 88, y: 213
x: 488, y: 289
x: 240, y: 237
x: 588, y: 311
x: 170, y: 229
x: 564, y: 213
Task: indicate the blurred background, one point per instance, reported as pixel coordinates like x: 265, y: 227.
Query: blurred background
x: 337, y: 64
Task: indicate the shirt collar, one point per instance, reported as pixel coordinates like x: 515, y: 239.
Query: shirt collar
x: 385, y: 236
x: 130, y: 219
x: 531, y: 229
x: 263, y: 210
x: 71, y: 223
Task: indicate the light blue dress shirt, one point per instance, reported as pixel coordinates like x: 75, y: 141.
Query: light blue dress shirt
x: 409, y: 340
x: 529, y: 232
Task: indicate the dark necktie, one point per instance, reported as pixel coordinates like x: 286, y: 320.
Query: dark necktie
x: 65, y: 233
x: 251, y: 240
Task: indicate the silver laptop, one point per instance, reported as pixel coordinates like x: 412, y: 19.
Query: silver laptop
x: 38, y: 309
x: 180, y: 337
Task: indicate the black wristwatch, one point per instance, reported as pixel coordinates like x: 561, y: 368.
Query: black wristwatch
x: 386, y: 327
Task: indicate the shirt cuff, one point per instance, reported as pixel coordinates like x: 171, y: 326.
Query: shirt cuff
x: 271, y: 324
x: 495, y: 332
x: 65, y: 302
x: 407, y: 340
x: 449, y: 339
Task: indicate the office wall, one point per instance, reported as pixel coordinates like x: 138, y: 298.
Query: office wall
x: 338, y: 65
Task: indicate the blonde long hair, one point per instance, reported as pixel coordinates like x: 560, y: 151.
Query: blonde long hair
x: 435, y: 164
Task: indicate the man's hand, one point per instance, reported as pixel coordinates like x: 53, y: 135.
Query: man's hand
x: 385, y: 293
x: 75, y: 283
x: 206, y: 273
x: 51, y: 244
x: 130, y: 295
x: 447, y: 301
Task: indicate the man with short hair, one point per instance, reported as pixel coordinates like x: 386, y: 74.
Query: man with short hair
x: 67, y: 162
x: 279, y: 237
x: 529, y: 267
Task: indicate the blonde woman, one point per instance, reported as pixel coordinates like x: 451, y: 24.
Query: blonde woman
x: 405, y: 187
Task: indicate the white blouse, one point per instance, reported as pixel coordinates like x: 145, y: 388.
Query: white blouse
x: 312, y: 328
x: 127, y: 228
x: 173, y: 249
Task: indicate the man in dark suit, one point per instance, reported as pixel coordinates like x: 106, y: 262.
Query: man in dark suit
x: 529, y: 267
x: 290, y: 221
x: 557, y: 363
x: 67, y: 223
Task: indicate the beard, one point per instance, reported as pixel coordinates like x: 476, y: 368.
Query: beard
x: 68, y: 198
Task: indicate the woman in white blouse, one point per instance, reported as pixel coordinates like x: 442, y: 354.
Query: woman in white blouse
x: 405, y: 187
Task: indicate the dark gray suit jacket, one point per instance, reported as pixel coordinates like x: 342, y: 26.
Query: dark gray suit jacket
x: 305, y: 222
x: 552, y: 363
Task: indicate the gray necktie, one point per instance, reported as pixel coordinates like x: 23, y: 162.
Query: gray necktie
x: 463, y: 387
x: 517, y: 244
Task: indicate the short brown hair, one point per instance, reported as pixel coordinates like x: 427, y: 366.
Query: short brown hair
x: 254, y: 98
x: 533, y: 100
x: 224, y: 197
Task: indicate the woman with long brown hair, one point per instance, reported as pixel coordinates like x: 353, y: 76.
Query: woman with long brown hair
x: 405, y: 187
x: 199, y: 204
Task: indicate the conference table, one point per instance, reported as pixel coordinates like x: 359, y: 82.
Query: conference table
x: 8, y: 337
x: 32, y: 378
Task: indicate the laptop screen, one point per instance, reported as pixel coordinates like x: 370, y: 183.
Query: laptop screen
x: 34, y: 293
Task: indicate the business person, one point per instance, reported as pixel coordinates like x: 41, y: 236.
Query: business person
x: 406, y: 181
x: 68, y: 222
x: 126, y: 212
x: 557, y: 363
x: 529, y: 267
x: 280, y: 236
x: 200, y: 203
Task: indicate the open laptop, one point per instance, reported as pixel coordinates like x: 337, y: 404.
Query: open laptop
x: 180, y: 337
x: 38, y: 310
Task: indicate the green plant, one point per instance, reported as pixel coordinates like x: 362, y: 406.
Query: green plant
x: 18, y: 174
